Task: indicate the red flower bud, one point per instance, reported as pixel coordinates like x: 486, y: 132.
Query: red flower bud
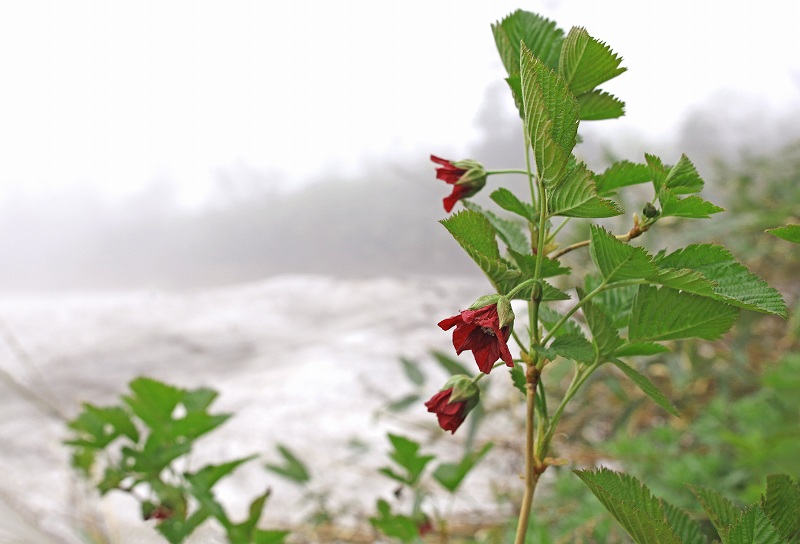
x: 467, y: 178
x: 481, y: 331
x: 452, y: 404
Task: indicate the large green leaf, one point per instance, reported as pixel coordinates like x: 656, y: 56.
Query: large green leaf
x: 604, y: 335
x: 632, y: 505
x: 551, y: 117
x: 538, y: 33
x: 669, y: 314
x: 684, y: 280
x: 754, y: 527
x: 782, y: 506
x: 719, y: 509
x: 790, y: 233
x: 474, y: 232
x: 586, y: 62
x: 510, y: 232
x: 646, y: 386
x: 621, y: 174
x: 576, y: 196
x: 616, y: 260
x: 732, y: 282
x: 682, y: 525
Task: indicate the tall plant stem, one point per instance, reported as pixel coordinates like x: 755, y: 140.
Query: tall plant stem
x: 532, y: 469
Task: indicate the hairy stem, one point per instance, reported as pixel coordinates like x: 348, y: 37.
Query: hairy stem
x: 532, y: 468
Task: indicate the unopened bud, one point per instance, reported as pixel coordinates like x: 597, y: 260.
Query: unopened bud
x: 650, y: 211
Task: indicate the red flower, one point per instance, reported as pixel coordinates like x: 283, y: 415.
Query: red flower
x: 467, y: 178
x: 483, y: 332
x: 452, y: 404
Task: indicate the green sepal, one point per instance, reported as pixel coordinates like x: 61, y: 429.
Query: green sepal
x: 464, y: 389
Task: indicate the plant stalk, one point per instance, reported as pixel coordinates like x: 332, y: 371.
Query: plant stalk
x: 532, y: 469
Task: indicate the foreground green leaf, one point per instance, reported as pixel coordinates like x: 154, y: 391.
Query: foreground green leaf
x: 576, y: 196
x: 668, y: 314
x: 631, y: 504
x: 733, y: 282
x: 551, y: 117
x: 586, y: 62
x: 647, y: 387
x: 790, y: 233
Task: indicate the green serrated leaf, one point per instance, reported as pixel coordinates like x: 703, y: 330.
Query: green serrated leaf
x: 599, y: 105
x: 549, y: 293
x: 569, y: 346
x: 616, y: 302
x: 412, y: 371
x: 576, y: 196
x: 733, y: 283
x: 684, y: 280
x: 668, y: 314
x: 790, y: 233
x: 538, y: 33
x: 292, y: 468
x: 754, y: 527
x: 604, y: 335
x: 621, y: 174
x: 658, y: 172
x: 692, y: 207
x: 508, y: 231
x: 475, y: 234
x: 647, y: 387
x: 782, y: 506
x: 509, y: 202
x: 631, y: 504
x: 585, y: 62
x: 683, y: 178
x: 616, y: 260
x: 687, y: 530
x: 551, y: 117
x: 549, y: 317
x: 720, y: 510
x: 527, y: 265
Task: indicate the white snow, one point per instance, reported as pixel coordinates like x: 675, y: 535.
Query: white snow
x: 307, y: 361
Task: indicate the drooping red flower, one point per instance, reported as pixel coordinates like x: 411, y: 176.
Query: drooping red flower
x: 467, y: 178
x: 451, y: 408
x: 481, y: 331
